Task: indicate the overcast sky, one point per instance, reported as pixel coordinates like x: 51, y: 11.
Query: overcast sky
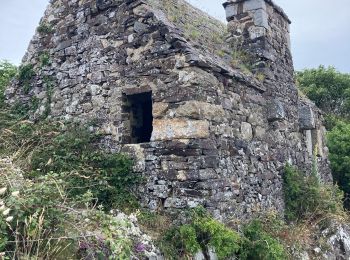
x: 320, y: 30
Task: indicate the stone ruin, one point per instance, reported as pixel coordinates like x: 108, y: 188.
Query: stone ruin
x: 210, y: 112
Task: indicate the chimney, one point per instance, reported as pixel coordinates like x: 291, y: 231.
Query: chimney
x: 260, y: 29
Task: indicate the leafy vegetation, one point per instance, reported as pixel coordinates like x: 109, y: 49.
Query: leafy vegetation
x: 45, y: 28
x: 339, y: 147
x: 26, y: 74
x: 259, y: 244
x: 328, y: 88
x: 306, y: 198
x: 44, y: 59
x: 7, y: 71
x: 202, y: 232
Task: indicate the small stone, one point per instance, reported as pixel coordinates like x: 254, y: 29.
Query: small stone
x: 246, y: 131
x: 140, y: 28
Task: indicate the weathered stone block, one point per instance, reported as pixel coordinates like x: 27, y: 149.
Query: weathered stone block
x: 231, y: 11
x: 207, y: 174
x: 246, y: 131
x: 136, y: 152
x: 140, y: 27
x: 169, y: 129
x: 306, y: 118
x: 201, y: 110
x: 253, y: 5
x: 159, y: 109
x: 275, y: 111
x: 261, y: 18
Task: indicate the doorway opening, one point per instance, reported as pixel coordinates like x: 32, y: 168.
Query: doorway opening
x: 141, y: 118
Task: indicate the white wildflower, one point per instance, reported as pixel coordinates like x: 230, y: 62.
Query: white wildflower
x: 15, y: 193
x: 2, y: 208
x: 9, y: 219
x: 2, y: 191
x: 6, y: 212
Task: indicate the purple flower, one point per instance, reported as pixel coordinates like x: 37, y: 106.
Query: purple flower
x: 140, y: 247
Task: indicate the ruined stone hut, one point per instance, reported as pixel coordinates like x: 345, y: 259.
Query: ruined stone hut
x: 209, y: 111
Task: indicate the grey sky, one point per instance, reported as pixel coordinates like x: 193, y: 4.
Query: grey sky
x: 320, y: 30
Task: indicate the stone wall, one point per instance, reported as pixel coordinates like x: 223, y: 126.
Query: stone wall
x: 220, y: 138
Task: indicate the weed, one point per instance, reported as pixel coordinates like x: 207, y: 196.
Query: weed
x: 259, y: 245
x: 26, y: 74
x: 44, y: 59
x: 202, y: 232
x: 45, y: 28
x: 260, y: 76
x: 306, y: 198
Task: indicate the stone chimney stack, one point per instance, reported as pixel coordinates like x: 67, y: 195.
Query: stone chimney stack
x: 260, y: 29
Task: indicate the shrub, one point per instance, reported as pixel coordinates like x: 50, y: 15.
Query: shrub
x: 45, y: 28
x: 25, y: 76
x: 7, y: 72
x: 44, y: 59
x: 306, y: 198
x: 328, y: 88
x: 339, y: 148
x: 260, y: 245
x: 73, y: 152
x: 202, y: 232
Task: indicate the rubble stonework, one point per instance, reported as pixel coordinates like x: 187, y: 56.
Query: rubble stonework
x: 220, y: 137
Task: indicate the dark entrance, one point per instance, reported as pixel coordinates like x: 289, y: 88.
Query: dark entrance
x: 140, y: 109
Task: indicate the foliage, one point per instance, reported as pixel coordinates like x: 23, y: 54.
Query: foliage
x: 339, y: 147
x: 25, y: 76
x: 42, y: 222
x: 306, y: 198
x: 260, y: 245
x: 202, y: 232
x: 107, y: 176
x: 44, y: 59
x: 70, y: 150
x: 33, y: 215
x: 7, y: 72
x: 328, y: 88
x: 45, y: 28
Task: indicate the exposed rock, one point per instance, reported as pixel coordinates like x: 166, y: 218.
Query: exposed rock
x: 201, y: 110
x: 306, y: 118
x: 275, y: 111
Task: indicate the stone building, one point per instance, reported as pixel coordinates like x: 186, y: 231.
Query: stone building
x: 209, y: 111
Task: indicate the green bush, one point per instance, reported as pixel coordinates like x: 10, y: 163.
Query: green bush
x: 328, y: 88
x: 260, y: 245
x: 7, y: 72
x: 202, y: 232
x: 306, y: 198
x: 73, y: 152
x: 45, y: 28
x: 339, y: 148
x: 44, y: 59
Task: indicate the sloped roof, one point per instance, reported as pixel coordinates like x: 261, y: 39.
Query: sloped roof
x: 204, y: 37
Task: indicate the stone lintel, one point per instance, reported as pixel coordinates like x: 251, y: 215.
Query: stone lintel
x: 170, y: 129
